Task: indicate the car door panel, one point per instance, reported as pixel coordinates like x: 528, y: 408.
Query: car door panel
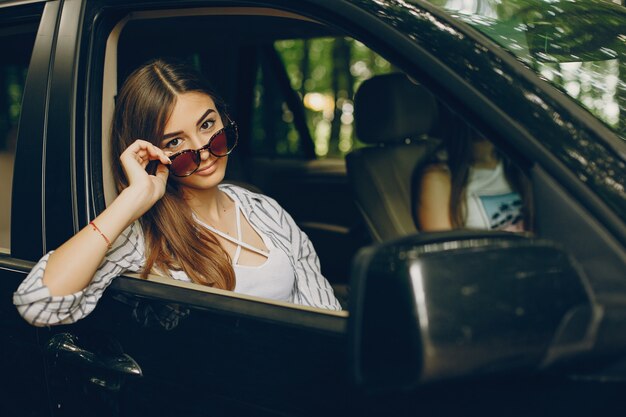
x: 26, y: 33
x: 219, y: 350
x: 22, y: 379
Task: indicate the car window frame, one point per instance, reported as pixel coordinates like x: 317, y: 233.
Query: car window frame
x: 27, y: 207
x: 447, y: 84
x: 28, y: 385
x: 107, y: 26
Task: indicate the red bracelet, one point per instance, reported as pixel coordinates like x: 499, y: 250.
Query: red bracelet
x: 106, y: 239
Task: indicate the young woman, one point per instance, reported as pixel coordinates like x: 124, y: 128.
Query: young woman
x: 172, y: 216
x: 474, y: 187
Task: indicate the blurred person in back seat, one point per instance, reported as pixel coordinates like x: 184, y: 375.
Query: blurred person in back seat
x: 471, y: 184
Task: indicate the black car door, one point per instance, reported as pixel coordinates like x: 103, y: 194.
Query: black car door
x: 152, y: 348
x: 196, y: 353
x: 26, y: 35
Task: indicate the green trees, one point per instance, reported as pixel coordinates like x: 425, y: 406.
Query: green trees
x: 326, y: 72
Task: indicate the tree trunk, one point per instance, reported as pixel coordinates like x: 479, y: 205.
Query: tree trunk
x: 340, y: 81
x: 304, y: 66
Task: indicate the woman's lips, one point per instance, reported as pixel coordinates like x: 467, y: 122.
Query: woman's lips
x: 207, y: 170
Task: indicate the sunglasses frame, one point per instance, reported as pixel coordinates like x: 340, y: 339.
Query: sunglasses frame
x: 207, y: 147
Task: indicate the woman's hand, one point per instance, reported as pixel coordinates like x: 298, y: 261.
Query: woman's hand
x: 146, y: 189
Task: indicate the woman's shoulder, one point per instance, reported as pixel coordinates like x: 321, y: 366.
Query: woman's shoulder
x: 247, y: 195
x: 241, y: 190
x: 434, y: 179
x: 436, y: 170
x: 437, y: 164
x: 266, y: 211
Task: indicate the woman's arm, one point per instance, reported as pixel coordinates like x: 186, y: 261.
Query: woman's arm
x: 72, y: 266
x: 433, y: 206
x: 65, y: 285
x: 37, y: 306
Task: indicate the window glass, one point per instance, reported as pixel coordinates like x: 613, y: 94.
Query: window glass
x: 579, y: 47
x: 16, y: 45
x: 325, y: 73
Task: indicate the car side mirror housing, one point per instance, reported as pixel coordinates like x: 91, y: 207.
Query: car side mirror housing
x: 456, y: 304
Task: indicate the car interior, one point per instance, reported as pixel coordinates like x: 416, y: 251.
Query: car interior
x: 395, y: 118
x: 342, y: 203
x: 236, y: 53
x: 346, y: 202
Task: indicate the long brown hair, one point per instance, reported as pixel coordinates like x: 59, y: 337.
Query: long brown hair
x: 458, y: 144
x: 174, y: 241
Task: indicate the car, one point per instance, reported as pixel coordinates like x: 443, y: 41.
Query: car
x: 465, y: 321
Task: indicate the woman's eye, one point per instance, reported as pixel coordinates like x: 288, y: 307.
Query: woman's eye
x: 207, y: 124
x: 173, y: 143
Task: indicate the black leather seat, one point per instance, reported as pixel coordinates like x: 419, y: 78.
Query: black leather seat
x: 395, y: 116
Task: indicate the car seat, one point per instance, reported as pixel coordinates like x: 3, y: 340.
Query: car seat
x: 393, y: 115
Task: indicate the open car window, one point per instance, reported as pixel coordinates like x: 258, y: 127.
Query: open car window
x: 234, y: 64
x: 290, y: 83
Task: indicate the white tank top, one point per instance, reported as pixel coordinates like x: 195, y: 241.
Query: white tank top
x: 491, y: 203
x: 273, y: 279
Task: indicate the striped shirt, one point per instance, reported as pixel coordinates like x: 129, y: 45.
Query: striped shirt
x: 127, y: 254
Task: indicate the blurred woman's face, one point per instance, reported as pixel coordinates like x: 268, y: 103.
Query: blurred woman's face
x: 481, y: 147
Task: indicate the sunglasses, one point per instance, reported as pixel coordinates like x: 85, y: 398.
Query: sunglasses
x: 185, y: 163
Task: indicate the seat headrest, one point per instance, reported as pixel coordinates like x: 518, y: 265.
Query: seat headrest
x: 392, y: 108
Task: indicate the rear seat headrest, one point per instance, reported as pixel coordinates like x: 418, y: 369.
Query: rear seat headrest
x: 392, y: 108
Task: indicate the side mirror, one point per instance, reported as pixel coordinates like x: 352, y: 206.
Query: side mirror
x: 456, y: 304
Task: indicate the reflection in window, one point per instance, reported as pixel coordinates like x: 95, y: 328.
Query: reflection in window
x: 594, y: 84
x: 580, y: 47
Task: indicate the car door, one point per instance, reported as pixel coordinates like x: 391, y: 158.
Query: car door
x: 26, y: 36
x: 153, y: 348
x: 577, y: 204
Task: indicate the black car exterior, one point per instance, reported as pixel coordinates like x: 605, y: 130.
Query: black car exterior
x: 232, y: 355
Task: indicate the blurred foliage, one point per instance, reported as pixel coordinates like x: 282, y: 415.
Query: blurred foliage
x: 325, y: 73
x: 12, y: 80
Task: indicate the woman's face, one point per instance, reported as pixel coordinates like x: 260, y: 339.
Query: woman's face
x: 192, y: 123
x: 481, y: 147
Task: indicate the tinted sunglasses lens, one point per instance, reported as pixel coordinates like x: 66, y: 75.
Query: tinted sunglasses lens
x: 185, y: 163
x: 219, y: 144
x: 224, y: 142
